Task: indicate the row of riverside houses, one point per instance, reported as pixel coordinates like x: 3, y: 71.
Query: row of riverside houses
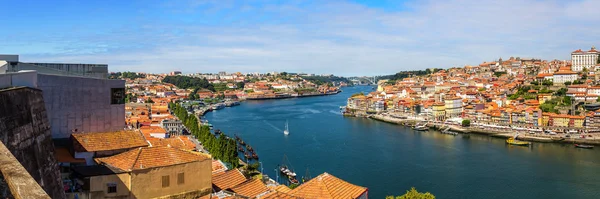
x: 518, y: 91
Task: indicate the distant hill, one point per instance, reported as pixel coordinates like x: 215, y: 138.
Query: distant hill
x: 405, y: 74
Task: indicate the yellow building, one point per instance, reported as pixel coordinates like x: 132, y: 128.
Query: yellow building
x: 439, y: 111
x: 150, y: 172
x: 577, y: 121
x: 561, y: 120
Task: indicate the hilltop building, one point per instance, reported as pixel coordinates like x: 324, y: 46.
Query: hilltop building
x: 584, y: 59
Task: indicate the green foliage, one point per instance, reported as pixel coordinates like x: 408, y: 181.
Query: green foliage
x: 561, y: 92
x: 240, y: 85
x: 545, y: 90
x: 405, y: 74
x: 304, y: 90
x: 577, y: 82
x: 221, y: 87
x: 129, y: 75
x: 466, y: 123
x: 320, y: 80
x: 498, y: 74
x: 357, y: 94
x: 567, y: 83
x: 598, y: 100
x: 567, y: 100
x: 222, y: 147
x: 148, y: 100
x: 547, y: 82
x: 550, y: 106
x: 130, y: 98
x: 293, y: 186
x: 481, y: 89
x: 186, y: 82
x: 535, y: 83
x: 413, y: 194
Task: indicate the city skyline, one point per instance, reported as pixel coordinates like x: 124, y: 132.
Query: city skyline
x: 346, y: 38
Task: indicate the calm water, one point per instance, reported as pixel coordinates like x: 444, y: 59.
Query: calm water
x: 389, y: 159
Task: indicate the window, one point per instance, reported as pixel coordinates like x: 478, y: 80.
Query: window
x: 112, y: 188
x: 117, y: 96
x: 180, y: 178
x: 165, y: 181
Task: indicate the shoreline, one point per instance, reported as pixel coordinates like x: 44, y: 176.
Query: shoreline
x: 490, y: 133
x: 294, y: 96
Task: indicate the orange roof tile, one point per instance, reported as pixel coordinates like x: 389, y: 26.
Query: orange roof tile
x: 278, y: 195
x: 63, y: 155
x: 180, y: 142
x: 250, y: 188
x: 151, y: 157
x: 328, y: 186
x: 228, y: 179
x: 281, y: 188
x: 106, y: 141
x: 218, y: 167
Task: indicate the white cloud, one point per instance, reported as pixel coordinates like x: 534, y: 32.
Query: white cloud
x: 345, y: 38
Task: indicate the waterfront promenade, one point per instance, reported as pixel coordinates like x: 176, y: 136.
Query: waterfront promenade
x: 505, y: 132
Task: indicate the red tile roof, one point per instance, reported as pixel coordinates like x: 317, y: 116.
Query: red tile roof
x: 228, y: 179
x: 106, y: 141
x: 250, y: 188
x: 328, y: 186
x: 151, y: 157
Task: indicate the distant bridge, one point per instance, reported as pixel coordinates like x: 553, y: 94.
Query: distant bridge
x: 363, y: 80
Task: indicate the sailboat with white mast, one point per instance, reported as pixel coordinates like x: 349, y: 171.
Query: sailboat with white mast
x: 286, y: 131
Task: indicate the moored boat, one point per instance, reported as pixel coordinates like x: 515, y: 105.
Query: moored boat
x: 254, y: 156
x: 421, y: 127
x: 247, y: 155
x: 241, y: 149
x: 513, y: 141
x: 249, y: 148
x: 583, y: 146
x: 557, y: 138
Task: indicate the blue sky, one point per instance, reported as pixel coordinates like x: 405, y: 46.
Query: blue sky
x: 357, y: 37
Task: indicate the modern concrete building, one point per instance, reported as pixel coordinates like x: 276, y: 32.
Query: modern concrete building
x: 77, y: 99
x: 584, y: 59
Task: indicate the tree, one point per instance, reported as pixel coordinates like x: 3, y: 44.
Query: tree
x: 413, y: 194
x: 148, y: 100
x: 547, y: 82
x: 598, y: 100
x: 561, y: 92
x: 240, y: 85
x: 357, y: 94
x: 567, y: 100
x: 567, y: 83
x: 466, y: 123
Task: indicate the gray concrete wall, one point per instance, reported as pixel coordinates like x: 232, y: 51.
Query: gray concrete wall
x: 81, y: 103
x: 25, y: 131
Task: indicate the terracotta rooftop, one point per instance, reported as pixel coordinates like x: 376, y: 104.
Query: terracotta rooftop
x: 151, y: 157
x: 250, y: 188
x: 228, y: 179
x: 106, y: 141
x: 278, y: 195
x: 63, y: 155
x: 218, y: 167
x: 328, y: 186
x: 180, y: 142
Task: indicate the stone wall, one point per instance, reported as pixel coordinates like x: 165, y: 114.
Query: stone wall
x: 81, y: 103
x: 25, y: 131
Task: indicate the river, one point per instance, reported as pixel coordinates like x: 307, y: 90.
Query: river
x: 390, y: 159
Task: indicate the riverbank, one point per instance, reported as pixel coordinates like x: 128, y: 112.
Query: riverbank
x: 297, y: 95
x: 503, y: 134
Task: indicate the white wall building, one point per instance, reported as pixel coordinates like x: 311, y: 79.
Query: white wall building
x: 584, y: 59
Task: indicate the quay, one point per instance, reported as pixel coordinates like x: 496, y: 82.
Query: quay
x: 293, y: 96
x: 497, y: 133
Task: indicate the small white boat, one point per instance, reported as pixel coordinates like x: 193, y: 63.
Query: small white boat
x: 286, y: 131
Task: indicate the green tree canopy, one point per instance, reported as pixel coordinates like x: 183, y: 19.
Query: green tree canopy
x: 186, y: 82
x: 413, y: 194
x: 567, y: 83
x: 466, y: 123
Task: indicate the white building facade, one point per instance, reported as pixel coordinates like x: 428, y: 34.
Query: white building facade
x: 584, y: 59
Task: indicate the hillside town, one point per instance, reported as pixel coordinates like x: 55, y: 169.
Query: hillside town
x: 133, y: 135
x: 517, y: 94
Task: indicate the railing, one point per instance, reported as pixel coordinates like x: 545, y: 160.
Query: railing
x: 18, y: 180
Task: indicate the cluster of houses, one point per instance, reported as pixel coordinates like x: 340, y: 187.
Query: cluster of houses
x: 483, y: 93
